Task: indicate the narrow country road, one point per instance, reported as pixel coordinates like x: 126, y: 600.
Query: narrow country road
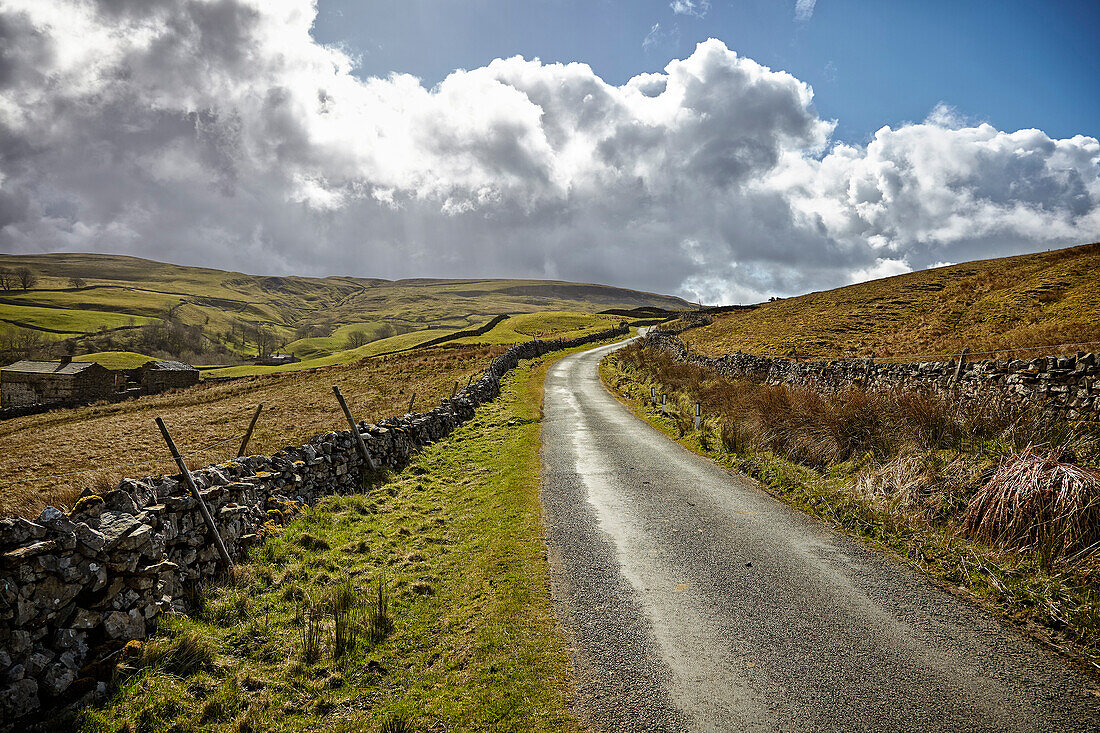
x: 696, y: 601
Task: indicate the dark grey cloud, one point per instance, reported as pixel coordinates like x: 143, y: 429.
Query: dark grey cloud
x: 216, y: 132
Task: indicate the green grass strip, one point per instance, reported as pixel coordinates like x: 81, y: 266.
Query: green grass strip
x: 456, y: 540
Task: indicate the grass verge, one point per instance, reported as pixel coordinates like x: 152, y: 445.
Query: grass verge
x: 905, y: 499
x: 452, y: 548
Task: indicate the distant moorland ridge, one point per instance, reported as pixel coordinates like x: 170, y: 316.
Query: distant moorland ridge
x: 108, y: 304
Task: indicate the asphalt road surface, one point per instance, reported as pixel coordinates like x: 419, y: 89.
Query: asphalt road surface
x: 696, y: 601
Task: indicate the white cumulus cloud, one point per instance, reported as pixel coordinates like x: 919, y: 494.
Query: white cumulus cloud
x: 218, y: 132
x: 698, y: 8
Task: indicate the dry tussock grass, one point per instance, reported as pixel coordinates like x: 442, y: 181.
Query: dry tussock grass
x: 1035, y: 502
x: 916, y: 456
x: 297, y: 405
x: 819, y: 429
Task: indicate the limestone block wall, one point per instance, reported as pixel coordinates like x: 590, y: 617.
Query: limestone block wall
x: 1068, y: 386
x: 76, y: 586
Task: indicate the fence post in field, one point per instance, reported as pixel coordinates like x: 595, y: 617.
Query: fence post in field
x: 205, y: 510
x: 248, y: 433
x: 411, y: 401
x: 961, y: 366
x: 698, y: 415
x: 454, y: 391
x: 354, y: 428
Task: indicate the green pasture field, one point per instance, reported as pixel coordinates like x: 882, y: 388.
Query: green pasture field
x: 115, y: 359
x: 59, y: 319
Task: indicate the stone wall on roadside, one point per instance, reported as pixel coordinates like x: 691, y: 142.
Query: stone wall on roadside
x: 76, y: 586
x: 1068, y: 386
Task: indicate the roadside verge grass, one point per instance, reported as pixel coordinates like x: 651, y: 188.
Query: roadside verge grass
x: 455, y: 542
x: 904, y: 498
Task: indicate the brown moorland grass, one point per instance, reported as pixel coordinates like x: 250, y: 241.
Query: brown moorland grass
x: 1006, y: 303
x: 98, y: 440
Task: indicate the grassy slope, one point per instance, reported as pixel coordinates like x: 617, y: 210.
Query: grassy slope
x: 324, y: 345
x: 115, y: 359
x: 475, y: 647
x: 523, y: 327
x: 547, y: 325
x: 1030, y: 300
x: 121, y: 287
x: 75, y: 321
x: 297, y: 405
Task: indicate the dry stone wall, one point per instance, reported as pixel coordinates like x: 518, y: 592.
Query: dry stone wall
x: 76, y: 586
x: 1068, y: 386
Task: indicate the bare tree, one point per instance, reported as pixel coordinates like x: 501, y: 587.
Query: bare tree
x: 356, y: 339
x: 27, y: 279
x: 265, y: 340
x: 7, y: 278
x: 77, y: 282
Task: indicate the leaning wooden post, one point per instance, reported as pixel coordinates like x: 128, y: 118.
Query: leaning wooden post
x: 248, y: 433
x: 195, y: 493
x: 411, y: 401
x: 962, y: 364
x: 353, y: 426
x: 454, y: 390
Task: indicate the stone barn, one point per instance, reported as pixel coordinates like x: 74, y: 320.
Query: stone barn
x: 26, y: 383
x: 158, y: 376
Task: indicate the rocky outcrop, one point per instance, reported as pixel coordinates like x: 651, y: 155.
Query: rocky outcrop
x: 76, y: 586
x: 1067, y: 386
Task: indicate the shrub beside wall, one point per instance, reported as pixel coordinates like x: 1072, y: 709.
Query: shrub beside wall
x: 76, y: 586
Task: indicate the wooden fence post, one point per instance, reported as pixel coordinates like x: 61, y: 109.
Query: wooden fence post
x: 454, y: 391
x: 354, y: 428
x: 962, y: 365
x: 411, y: 401
x: 248, y: 433
x: 195, y: 493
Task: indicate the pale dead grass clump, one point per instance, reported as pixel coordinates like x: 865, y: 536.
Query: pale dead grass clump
x: 1035, y: 502
x: 922, y: 485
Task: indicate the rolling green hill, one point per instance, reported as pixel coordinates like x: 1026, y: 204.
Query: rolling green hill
x: 109, y: 303
x: 1011, y: 302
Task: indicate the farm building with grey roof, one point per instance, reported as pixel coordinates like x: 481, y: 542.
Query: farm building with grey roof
x: 27, y: 383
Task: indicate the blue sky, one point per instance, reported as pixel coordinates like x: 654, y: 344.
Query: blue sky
x: 1014, y: 64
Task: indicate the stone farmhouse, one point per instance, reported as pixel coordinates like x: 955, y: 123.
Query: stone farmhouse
x: 26, y: 384
x: 158, y: 376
